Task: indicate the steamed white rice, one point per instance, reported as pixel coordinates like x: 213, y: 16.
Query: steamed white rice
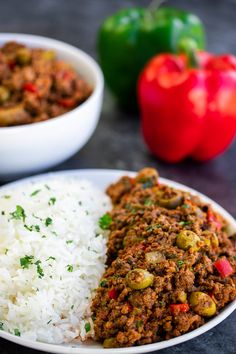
x: 52, y: 255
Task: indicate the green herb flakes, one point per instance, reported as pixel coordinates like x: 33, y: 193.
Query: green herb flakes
x: 48, y: 221
x: 183, y: 223
x: 87, y: 327
x: 69, y: 241
x: 185, y: 206
x: 153, y: 227
x: 148, y: 202
x: 17, y: 332
x: 6, y: 251
x: 35, y: 192
x: 3, y: 212
x: 180, y: 263
x: 139, y: 323
x: 1, y: 326
x: 70, y: 268
x: 19, y: 213
x: 105, y: 221
x: 52, y: 201
x: 103, y: 283
x: 6, y: 196
x: 39, y: 269
x: 52, y: 258
x: 26, y: 261
x: 32, y: 228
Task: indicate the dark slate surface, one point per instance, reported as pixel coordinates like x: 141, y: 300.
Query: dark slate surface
x: 117, y: 142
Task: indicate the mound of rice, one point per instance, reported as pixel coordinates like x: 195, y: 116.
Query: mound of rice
x: 52, y: 255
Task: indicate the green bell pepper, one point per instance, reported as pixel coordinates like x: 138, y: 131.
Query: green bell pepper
x: 130, y: 37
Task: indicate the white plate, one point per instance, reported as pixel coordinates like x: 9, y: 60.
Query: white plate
x: 102, y: 178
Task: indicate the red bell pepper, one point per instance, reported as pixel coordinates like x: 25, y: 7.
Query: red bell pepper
x: 176, y: 309
x: 30, y: 87
x: 212, y: 218
x: 112, y: 294
x: 224, y: 267
x: 67, y: 102
x: 188, y: 111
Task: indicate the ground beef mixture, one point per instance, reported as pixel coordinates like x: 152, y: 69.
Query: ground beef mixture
x: 36, y: 86
x: 171, y: 264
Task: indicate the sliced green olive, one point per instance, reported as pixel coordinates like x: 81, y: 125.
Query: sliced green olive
x: 23, y: 56
x: 139, y: 279
x: 210, y: 239
x: 172, y: 202
x: 48, y: 55
x: 147, y: 175
x: 109, y: 343
x: 154, y: 257
x: 4, y: 94
x: 202, y: 304
x: 182, y: 296
x: 187, y: 239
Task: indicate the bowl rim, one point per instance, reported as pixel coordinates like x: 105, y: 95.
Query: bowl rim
x: 70, y: 49
x: 147, y: 348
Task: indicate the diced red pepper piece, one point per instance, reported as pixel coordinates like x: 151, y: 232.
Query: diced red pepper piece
x: 30, y: 87
x: 211, y: 217
x: 224, y: 267
x: 112, y: 294
x: 176, y: 309
x: 67, y: 75
x: 67, y: 102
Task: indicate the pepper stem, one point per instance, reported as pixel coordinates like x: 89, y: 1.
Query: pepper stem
x: 188, y: 46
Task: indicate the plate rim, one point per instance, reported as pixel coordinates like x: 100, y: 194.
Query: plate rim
x: 71, y: 349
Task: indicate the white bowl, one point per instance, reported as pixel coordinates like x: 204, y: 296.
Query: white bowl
x: 34, y: 147
x: 102, y: 178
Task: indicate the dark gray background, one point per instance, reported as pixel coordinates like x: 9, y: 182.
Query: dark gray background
x: 117, y: 142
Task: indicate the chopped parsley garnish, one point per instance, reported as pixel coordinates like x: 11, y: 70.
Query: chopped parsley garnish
x: 6, y: 251
x: 48, y: 221
x: 49, y: 322
x: 37, y: 228
x: 70, y: 268
x: 35, y: 192
x: 26, y: 261
x: 180, y: 263
x: 46, y: 186
x: 183, y: 223
x: 148, y: 202
x: 32, y: 228
x: 103, y: 283
x: 153, y: 227
x: 105, y: 221
x: 72, y: 306
x: 87, y: 327
x: 139, y: 323
x: 69, y: 241
x: 19, y: 213
x: 52, y: 258
x: 52, y: 201
x: 17, y: 332
x: 39, y: 269
x: 1, y: 326
x: 3, y: 212
x: 185, y: 206
x: 7, y: 196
